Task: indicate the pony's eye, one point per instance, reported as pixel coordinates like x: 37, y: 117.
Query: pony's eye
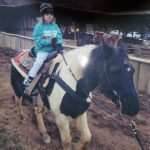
x: 130, y: 68
x: 115, y: 70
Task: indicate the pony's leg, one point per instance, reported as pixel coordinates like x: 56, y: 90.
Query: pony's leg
x: 38, y: 113
x: 82, y: 126
x: 63, y: 124
x: 18, y: 100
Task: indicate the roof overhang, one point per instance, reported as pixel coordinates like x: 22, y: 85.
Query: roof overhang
x: 104, y: 7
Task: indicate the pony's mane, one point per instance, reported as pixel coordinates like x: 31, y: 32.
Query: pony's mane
x: 73, y: 55
x: 84, y: 50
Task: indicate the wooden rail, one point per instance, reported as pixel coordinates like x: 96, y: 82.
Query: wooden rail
x: 142, y: 66
x: 142, y: 73
x: 140, y: 50
x: 19, y: 42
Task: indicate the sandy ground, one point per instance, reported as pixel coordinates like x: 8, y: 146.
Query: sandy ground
x: 108, y: 132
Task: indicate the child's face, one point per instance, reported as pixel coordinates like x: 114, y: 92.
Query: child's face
x: 48, y: 17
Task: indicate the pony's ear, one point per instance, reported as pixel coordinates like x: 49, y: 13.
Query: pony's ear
x: 99, y: 33
x: 98, y: 37
x: 111, y: 39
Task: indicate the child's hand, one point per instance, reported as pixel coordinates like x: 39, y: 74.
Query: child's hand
x: 59, y: 48
x: 54, y: 40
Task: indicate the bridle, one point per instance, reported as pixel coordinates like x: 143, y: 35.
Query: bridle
x: 118, y: 102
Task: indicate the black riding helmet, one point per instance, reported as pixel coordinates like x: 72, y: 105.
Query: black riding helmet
x: 45, y: 8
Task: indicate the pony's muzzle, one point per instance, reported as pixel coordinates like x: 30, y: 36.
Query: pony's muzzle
x: 130, y: 107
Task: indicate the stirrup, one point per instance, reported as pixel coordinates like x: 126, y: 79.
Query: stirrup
x: 31, y: 86
x: 34, y: 92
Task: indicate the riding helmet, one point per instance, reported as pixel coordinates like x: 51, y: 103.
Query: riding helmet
x: 45, y: 8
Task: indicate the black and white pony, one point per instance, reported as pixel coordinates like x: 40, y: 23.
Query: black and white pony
x: 92, y: 66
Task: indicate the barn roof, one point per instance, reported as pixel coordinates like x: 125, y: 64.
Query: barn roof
x: 16, y: 3
x: 109, y: 7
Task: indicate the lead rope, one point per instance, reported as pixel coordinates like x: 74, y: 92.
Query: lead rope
x: 137, y: 135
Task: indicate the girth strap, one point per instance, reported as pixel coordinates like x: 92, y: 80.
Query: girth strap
x: 65, y: 86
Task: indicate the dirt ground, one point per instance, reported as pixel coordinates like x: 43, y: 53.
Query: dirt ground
x: 108, y: 132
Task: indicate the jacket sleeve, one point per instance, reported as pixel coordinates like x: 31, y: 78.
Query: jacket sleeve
x: 38, y: 37
x: 59, y: 35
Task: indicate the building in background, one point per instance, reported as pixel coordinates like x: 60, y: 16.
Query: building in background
x: 78, y: 19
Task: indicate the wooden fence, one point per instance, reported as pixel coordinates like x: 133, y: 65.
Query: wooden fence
x: 139, y: 50
x: 19, y: 42
x: 142, y: 66
x: 142, y: 74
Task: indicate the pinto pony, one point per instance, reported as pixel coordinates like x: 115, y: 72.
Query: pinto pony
x: 92, y: 66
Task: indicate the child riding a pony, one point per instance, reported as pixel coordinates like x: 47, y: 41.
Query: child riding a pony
x: 47, y: 38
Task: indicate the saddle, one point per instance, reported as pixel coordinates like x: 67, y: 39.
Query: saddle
x: 24, y: 61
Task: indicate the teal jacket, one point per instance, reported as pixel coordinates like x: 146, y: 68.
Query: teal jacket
x: 42, y: 35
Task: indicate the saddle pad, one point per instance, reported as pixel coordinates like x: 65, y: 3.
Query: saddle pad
x: 16, y: 63
x: 23, y: 63
x: 26, y: 61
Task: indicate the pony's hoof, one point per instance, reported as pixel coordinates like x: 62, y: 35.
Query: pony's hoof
x: 46, y: 138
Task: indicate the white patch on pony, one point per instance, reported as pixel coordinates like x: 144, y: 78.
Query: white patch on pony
x: 89, y: 98
x: 114, y: 92
x: 83, y: 60
x: 128, y: 69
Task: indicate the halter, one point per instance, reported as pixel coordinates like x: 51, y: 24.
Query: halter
x: 118, y: 104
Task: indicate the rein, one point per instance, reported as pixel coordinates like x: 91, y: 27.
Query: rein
x: 118, y: 104
x: 75, y: 78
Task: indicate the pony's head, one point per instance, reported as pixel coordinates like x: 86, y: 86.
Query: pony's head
x: 110, y: 68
